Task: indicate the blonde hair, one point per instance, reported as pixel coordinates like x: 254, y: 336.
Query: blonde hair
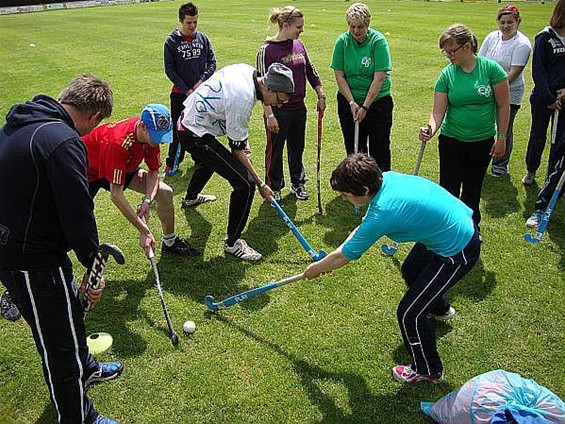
x: 282, y: 15
x: 88, y: 93
x: 358, y: 12
x: 460, y: 34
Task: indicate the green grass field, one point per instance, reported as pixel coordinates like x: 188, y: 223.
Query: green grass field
x: 312, y: 351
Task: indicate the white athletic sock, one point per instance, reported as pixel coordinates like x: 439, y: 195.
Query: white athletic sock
x: 169, y: 239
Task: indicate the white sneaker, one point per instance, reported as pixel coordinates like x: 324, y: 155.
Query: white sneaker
x: 529, y: 178
x: 534, y: 220
x: 201, y: 198
x: 445, y: 317
x: 242, y: 250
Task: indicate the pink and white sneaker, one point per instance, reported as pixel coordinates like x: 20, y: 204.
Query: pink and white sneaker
x: 405, y: 374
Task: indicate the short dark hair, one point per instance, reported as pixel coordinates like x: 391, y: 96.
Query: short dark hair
x: 187, y: 9
x: 356, y: 172
x: 89, y: 93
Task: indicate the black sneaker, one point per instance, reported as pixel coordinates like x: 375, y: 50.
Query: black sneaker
x: 8, y: 308
x: 299, y: 191
x: 106, y: 371
x: 180, y: 248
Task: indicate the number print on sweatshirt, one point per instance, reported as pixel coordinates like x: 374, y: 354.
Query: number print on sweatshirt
x: 190, y: 50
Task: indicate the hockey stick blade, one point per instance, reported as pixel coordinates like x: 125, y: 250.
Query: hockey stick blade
x: 533, y: 239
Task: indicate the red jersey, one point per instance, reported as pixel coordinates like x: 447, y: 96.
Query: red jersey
x: 114, y: 151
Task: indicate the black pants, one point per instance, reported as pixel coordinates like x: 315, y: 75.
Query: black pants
x: 49, y: 303
x: 292, y: 129
x: 462, y: 169
x: 541, y: 117
x: 211, y: 156
x: 376, y: 126
x: 429, y: 276
x: 177, y: 107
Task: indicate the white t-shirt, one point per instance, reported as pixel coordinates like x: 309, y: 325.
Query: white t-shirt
x: 513, y: 52
x: 222, y: 105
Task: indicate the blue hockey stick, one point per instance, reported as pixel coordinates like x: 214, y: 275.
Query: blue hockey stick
x: 535, y: 239
x: 315, y: 256
x: 230, y: 301
x: 391, y: 249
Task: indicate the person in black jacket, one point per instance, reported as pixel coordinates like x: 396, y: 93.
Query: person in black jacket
x: 44, y: 215
x: 548, y: 72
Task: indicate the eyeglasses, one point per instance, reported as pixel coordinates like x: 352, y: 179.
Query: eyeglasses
x: 449, y: 53
x: 279, y: 101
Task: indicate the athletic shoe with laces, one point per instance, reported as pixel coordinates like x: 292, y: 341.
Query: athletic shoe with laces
x: 529, y: 178
x: 242, y: 250
x: 405, y: 374
x: 201, y: 198
x: 101, y: 419
x: 278, y: 197
x: 299, y: 191
x: 180, y: 248
x: 451, y: 312
x: 170, y: 171
x: 534, y: 220
x: 8, y: 308
x: 106, y: 371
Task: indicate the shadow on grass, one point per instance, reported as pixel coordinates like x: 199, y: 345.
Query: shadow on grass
x: 500, y: 197
x: 124, y: 296
x: 476, y: 285
x: 340, y: 220
x: 365, y: 405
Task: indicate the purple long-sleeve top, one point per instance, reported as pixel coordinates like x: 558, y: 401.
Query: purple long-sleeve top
x: 293, y: 54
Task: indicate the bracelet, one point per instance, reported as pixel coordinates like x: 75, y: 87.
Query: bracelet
x: 351, y: 102
x: 364, y: 107
x: 270, y: 115
x: 262, y: 184
x: 147, y: 200
x: 500, y: 135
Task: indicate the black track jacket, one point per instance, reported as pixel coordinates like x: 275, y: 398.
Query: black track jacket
x: 45, y: 208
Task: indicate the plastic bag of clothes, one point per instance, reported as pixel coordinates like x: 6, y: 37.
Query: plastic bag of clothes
x: 497, y: 397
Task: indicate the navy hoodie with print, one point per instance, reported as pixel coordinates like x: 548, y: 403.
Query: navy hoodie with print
x: 548, y: 65
x: 45, y: 208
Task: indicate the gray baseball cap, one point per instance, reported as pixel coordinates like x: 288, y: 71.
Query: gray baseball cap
x: 279, y: 78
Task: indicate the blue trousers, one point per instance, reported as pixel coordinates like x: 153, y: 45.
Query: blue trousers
x: 428, y: 277
x: 48, y: 301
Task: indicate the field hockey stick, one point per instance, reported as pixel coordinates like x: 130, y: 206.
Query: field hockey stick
x: 390, y: 250
x: 172, y: 335
x: 554, y: 128
x: 177, y: 158
x: 315, y: 256
x: 356, y: 150
x: 535, y: 239
x: 105, y: 250
x: 318, y: 164
x: 230, y: 301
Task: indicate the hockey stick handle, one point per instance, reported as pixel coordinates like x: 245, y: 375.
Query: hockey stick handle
x: 96, y: 272
x: 318, y: 165
x: 249, y: 294
x: 419, y: 158
x: 554, y: 128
